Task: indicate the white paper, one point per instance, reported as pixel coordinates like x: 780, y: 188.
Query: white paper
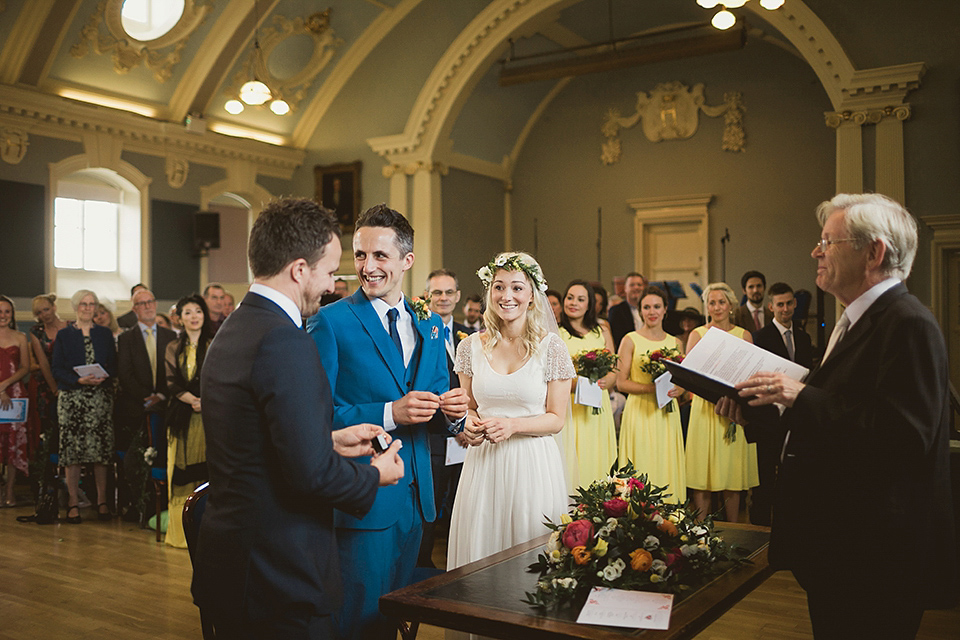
x: 16, y: 413
x: 725, y: 357
x: 588, y: 393
x: 663, y: 384
x: 633, y: 609
x: 84, y: 370
x: 455, y: 453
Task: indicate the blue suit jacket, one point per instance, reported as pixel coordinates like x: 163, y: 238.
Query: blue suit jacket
x: 366, y: 371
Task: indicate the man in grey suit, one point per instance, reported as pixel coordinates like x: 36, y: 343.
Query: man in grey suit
x: 867, y: 434
x: 266, y: 564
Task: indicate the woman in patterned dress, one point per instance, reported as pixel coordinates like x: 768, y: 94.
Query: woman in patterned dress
x: 85, y: 407
x: 14, y: 366
x: 44, y: 389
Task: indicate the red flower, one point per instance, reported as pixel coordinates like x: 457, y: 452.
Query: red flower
x: 591, y: 355
x: 633, y: 483
x: 656, y: 355
x: 679, y: 359
x: 615, y: 507
x: 577, y: 534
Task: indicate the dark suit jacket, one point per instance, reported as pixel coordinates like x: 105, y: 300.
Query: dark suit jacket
x: 457, y: 329
x: 743, y: 318
x: 137, y: 381
x: 266, y: 540
x: 769, y: 338
x: 127, y: 320
x: 68, y: 352
x: 621, y: 322
x: 868, y: 458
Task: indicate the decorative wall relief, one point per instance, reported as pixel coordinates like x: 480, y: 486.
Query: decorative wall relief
x: 286, y: 65
x: 105, y: 32
x: 13, y: 145
x: 177, y: 168
x: 672, y: 112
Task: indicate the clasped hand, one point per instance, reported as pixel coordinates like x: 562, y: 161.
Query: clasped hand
x: 419, y: 406
x: 90, y: 380
x: 492, y: 430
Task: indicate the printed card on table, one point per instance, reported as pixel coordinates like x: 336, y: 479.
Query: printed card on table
x: 632, y: 609
x: 588, y: 393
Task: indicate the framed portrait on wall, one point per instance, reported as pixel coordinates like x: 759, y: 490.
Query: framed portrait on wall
x: 338, y: 189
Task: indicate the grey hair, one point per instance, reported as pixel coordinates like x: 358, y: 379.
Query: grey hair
x: 80, y: 295
x: 870, y: 217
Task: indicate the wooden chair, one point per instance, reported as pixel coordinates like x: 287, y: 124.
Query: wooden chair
x: 193, y: 510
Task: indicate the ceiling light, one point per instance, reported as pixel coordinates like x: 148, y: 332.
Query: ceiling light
x: 255, y: 92
x: 708, y: 4
x: 771, y: 5
x: 242, y: 132
x: 107, y: 101
x: 724, y: 20
x: 733, y: 4
x: 280, y: 107
x: 233, y: 107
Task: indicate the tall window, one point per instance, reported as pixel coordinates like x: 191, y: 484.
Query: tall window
x: 147, y: 20
x: 85, y: 234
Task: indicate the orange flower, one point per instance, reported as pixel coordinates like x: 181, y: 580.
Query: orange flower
x: 640, y: 560
x: 581, y: 556
x: 668, y: 527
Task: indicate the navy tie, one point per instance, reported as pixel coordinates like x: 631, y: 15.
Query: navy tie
x: 392, y: 316
x: 446, y: 334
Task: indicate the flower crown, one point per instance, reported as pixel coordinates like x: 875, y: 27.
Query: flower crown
x: 512, y: 262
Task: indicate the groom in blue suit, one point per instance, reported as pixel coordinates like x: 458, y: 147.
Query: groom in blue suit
x: 386, y: 362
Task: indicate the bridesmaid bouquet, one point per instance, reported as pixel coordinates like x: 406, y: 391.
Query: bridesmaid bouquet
x: 620, y: 534
x: 593, y: 364
x: 652, y: 362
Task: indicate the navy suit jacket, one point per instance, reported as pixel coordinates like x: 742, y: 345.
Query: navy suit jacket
x: 366, y: 371
x: 870, y: 431
x: 68, y: 352
x: 267, y: 540
x: 621, y: 322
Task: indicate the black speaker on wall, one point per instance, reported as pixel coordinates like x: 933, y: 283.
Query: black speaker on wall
x: 206, y: 232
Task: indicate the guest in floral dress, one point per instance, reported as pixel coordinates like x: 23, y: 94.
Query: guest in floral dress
x: 85, y: 407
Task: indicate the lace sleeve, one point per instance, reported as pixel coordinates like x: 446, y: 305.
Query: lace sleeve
x: 558, y: 364
x: 464, y: 362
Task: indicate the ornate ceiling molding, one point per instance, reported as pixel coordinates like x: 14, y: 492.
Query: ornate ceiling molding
x: 900, y: 112
x: 293, y: 89
x: 105, y: 33
x: 346, y: 67
x: 54, y: 117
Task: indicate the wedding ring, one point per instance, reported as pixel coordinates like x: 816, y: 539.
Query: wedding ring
x: 769, y: 388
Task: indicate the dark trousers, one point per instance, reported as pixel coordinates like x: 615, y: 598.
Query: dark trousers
x: 848, y: 608
x: 292, y: 625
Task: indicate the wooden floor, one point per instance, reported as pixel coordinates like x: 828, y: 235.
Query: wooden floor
x: 111, y: 580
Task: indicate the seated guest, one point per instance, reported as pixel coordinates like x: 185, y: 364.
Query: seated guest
x: 85, y: 403
x: 186, y: 448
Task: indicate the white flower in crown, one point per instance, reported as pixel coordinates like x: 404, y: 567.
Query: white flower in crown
x: 501, y: 260
x: 485, y: 275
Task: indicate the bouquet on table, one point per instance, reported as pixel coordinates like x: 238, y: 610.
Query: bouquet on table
x: 652, y: 362
x: 594, y: 364
x: 621, y: 534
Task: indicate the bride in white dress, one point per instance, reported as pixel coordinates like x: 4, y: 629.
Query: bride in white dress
x: 517, y: 374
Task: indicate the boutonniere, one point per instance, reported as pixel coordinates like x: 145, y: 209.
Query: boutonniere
x: 461, y: 335
x: 420, y: 309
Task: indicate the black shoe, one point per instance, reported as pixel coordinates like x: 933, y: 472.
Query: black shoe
x: 104, y: 516
x: 75, y: 519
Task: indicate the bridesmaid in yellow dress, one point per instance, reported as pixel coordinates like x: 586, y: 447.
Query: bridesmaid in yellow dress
x: 716, y: 462
x: 590, y: 442
x: 650, y: 437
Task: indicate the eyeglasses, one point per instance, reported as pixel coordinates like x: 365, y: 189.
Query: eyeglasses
x: 436, y: 293
x: 145, y: 303
x: 824, y: 243
x: 86, y: 304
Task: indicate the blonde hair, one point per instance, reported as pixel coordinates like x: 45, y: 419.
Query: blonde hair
x: 727, y: 293
x: 44, y: 297
x: 533, y: 331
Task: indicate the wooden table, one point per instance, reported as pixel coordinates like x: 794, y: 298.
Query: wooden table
x: 485, y: 596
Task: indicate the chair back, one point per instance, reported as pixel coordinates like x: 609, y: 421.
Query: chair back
x: 192, y: 515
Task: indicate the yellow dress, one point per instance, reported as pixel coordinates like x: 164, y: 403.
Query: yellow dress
x: 713, y: 463
x: 190, y: 452
x: 589, y: 440
x: 650, y: 437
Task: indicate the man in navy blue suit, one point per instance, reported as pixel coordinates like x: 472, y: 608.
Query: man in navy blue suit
x: 387, y: 364
x: 266, y: 563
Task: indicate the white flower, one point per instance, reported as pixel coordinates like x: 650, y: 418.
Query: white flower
x: 149, y: 454
x: 612, y: 571
x: 553, y: 544
x: 501, y: 260
x: 700, y: 531
x: 689, y: 550
x: 485, y: 275
x: 566, y: 583
x: 657, y: 519
x: 607, y: 529
x: 651, y: 542
x: 659, y: 567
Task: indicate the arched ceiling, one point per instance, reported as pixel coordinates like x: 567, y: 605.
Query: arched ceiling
x: 312, y: 51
